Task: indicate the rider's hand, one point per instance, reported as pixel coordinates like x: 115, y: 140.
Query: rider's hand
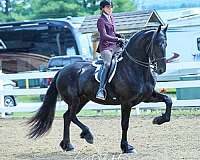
x: 121, y: 42
x: 118, y: 35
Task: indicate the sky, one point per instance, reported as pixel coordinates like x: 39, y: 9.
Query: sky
x: 166, y: 4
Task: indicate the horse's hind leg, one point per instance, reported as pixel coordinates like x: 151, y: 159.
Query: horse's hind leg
x: 69, y: 116
x: 65, y: 143
x: 86, y: 134
x: 157, y: 97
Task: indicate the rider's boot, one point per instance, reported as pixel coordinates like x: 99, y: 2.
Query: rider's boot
x: 101, y: 93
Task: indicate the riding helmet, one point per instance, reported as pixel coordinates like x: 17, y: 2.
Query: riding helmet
x: 105, y: 3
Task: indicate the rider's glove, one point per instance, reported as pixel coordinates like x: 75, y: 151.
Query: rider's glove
x: 118, y: 35
x: 121, y: 42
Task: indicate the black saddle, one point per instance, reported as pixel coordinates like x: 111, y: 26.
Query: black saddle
x: 99, y: 64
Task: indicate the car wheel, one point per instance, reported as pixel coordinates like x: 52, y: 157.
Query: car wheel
x: 9, y: 102
x: 42, y: 97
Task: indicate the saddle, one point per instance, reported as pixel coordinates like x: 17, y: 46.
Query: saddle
x: 99, y: 66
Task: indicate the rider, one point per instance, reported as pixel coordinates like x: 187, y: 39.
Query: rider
x: 107, y: 43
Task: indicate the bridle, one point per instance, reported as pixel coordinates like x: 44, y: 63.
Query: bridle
x: 152, y: 63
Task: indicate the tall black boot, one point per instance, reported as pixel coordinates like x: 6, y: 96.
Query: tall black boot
x: 101, y: 94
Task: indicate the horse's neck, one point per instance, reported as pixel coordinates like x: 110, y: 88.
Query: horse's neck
x: 138, y: 53
x: 137, y: 46
x: 134, y: 68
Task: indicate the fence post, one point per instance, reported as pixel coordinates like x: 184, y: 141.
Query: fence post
x: 3, y: 114
x: 27, y: 83
x: 137, y: 110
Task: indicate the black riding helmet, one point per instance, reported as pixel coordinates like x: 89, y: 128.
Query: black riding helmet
x: 105, y: 3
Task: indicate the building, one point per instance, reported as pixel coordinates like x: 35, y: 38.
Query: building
x: 183, y: 32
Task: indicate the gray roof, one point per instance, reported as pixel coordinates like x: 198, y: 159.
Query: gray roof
x: 185, y: 21
x: 125, y: 22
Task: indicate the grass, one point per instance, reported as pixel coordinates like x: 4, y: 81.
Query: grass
x: 116, y: 113
x: 109, y: 113
x: 36, y: 98
x: 83, y: 113
x: 27, y: 99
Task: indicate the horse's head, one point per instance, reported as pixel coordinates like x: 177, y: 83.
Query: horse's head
x: 149, y: 48
x: 157, y: 50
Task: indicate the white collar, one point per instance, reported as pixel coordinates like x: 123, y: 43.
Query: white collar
x: 107, y: 16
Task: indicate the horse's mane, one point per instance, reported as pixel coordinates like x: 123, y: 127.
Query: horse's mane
x: 137, y: 34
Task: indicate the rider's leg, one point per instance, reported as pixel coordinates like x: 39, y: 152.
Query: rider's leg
x: 107, y: 57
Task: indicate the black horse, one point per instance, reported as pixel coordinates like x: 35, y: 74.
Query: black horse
x: 132, y: 83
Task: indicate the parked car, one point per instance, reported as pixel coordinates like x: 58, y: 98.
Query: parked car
x: 58, y: 62
x: 9, y: 100
x: 54, y: 64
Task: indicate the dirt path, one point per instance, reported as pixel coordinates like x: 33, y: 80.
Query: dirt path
x: 179, y: 139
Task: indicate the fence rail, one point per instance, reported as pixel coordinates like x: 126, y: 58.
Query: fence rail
x: 26, y: 107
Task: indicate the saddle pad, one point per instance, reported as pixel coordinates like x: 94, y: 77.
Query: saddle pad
x: 99, y: 67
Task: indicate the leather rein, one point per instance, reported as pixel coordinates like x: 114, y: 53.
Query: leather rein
x: 151, y: 62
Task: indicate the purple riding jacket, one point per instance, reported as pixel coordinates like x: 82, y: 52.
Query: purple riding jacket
x: 107, y: 33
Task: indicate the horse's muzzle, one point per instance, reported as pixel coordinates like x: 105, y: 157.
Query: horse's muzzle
x: 161, y: 70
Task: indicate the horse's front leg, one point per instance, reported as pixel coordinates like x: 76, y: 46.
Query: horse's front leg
x: 158, y: 97
x: 125, y: 115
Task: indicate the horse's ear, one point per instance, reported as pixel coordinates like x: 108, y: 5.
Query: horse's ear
x: 159, y: 28
x: 165, y: 29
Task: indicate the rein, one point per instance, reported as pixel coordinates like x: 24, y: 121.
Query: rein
x: 145, y: 64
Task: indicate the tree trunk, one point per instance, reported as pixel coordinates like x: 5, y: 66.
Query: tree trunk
x: 7, y: 7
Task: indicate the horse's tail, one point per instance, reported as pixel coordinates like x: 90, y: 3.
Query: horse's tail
x: 42, y: 121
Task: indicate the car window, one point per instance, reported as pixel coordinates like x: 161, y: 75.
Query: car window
x: 63, y: 61
x: 67, y: 61
x: 55, y: 62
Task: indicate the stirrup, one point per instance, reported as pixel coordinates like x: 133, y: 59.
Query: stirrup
x: 101, y: 94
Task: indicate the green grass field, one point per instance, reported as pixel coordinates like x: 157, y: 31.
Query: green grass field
x: 116, y: 113
x: 109, y: 113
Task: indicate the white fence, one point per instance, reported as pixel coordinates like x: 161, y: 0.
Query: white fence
x: 26, y: 107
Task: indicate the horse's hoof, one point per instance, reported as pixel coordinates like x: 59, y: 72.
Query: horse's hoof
x: 127, y: 148
x: 160, y: 120
x: 133, y: 151
x: 87, y: 135
x: 66, y: 147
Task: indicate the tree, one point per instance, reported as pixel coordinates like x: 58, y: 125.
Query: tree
x: 123, y: 5
x: 39, y: 9
x: 5, y: 6
x: 54, y: 9
x: 63, y: 8
x: 5, y: 10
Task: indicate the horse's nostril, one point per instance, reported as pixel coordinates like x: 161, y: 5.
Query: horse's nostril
x: 162, y: 70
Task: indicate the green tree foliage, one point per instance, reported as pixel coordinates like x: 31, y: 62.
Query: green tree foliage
x: 38, y: 9
x: 54, y: 9
x: 123, y: 6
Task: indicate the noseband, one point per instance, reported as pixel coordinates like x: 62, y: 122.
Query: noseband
x: 153, y: 63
